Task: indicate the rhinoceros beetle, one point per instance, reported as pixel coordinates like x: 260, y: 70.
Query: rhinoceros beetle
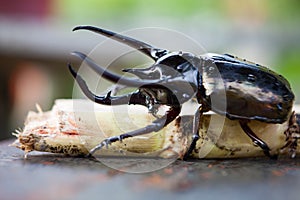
x: 252, y: 92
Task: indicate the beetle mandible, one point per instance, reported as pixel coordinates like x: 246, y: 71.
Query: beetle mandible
x: 253, y: 92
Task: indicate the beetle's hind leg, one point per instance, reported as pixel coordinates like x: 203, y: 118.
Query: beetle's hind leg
x: 256, y: 140
x: 292, y: 135
x: 155, y: 126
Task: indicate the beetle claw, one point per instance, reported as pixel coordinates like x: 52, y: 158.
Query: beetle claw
x: 155, y: 126
x: 100, y: 146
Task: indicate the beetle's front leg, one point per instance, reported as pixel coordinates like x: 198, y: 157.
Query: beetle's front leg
x: 155, y: 126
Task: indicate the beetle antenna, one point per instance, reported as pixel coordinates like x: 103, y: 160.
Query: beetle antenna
x: 147, y: 49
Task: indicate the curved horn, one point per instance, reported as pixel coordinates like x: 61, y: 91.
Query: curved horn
x: 114, y: 77
x: 131, y: 98
x: 144, y: 73
x: 147, y: 49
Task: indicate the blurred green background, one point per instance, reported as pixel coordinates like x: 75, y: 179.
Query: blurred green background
x: 36, y: 39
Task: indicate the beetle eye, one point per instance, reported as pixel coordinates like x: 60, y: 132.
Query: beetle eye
x: 184, y: 67
x: 251, y: 78
x: 179, y: 68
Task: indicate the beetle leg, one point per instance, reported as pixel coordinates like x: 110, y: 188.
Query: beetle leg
x: 132, y: 98
x: 147, y: 49
x: 155, y: 126
x: 195, y: 129
x: 292, y: 135
x: 256, y: 140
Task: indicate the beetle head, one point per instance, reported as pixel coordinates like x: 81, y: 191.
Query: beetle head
x: 176, y: 71
x: 175, y: 74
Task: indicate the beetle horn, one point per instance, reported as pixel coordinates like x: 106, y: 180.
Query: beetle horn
x: 131, y: 98
x: 147, y: 49
x: 114, y: 77
x: 141, y: 73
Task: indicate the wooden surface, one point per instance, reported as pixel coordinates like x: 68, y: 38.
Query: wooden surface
x: 49, y: 176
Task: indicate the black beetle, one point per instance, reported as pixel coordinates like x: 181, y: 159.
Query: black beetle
x: 248, y: 91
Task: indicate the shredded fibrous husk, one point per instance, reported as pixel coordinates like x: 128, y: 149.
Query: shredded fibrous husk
x: 74, y: 127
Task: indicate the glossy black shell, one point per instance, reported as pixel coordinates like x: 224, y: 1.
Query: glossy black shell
x: 252, y: 91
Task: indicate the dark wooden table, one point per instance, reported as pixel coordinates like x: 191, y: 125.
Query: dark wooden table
x: 49, y: 176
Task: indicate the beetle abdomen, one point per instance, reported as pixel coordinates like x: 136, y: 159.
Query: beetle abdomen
x: 252, y: 91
